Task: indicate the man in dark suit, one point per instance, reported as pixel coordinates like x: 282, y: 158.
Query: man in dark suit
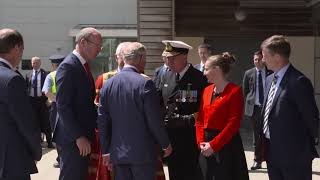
x: 76, y: 114
x: 35, y: 80
x: 130, y: 120
x: 253, y: 91
x: 19, y: 134
x: 181, y: 93
x: 204, y: 51
x: 290, y: 115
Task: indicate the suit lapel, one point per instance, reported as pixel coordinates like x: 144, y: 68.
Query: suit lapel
x: 254, y: 77
x: 78, y: 64
x: 4, y: 65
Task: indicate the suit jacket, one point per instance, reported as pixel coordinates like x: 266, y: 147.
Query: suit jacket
x: 158, y: 76
x: 197, y: 66
x: 293, y: 120
x: 130, y: 120
x: 29, y: 80
x: 19, y: 133
x: 76, y: 114
x: 249, y: 89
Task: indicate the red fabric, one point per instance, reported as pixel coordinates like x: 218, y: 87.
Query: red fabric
x: 224, y: 114
x: 99, y: 83
x: 99, y: 172
x: 87, y: 67
x: 96, y: 169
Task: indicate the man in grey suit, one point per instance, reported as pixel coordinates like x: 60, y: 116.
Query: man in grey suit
x: 19, y: 133
x: 130, y: 121
x: 253, y: 91
x: 290, y: 115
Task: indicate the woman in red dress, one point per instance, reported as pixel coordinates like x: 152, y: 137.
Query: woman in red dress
x: 218, y: 122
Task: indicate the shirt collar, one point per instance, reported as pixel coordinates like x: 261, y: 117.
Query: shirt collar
x: 82, y: 60
x: 130, y: 66
x: 184, y: 71
x: 6, y: 62
x: 282, y: 71
x: 201, y: 64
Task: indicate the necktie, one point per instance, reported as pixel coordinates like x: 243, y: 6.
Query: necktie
x: 89, y: 74
x: 260, y: 87
x: 34, y: 84
x: 271, y: 94
x: 177, y: 77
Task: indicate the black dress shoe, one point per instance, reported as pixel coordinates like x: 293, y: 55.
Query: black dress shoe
x: 56, y: 165
x: 256, y: 166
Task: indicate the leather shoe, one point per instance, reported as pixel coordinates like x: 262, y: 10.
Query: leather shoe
x: 56, y: 165
x: 256, y: 166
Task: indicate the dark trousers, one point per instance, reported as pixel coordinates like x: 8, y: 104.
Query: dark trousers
x: 72, y: 165
x: 135, y: 172
x: 53, y: 116
x: 17, y: 178
x: 296, y: 171
x: 40, y: 112
x: 183, y: 162
x: 255, y: 120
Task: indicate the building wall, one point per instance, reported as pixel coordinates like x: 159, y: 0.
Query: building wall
x: 302, y: 55
x: 45, y: 24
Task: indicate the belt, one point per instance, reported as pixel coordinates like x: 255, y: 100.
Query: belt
x: 183, y: 121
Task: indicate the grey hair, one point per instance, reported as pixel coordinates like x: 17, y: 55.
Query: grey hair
x: 121, y: 48
x: 85, y: 33
x: 35, y: 58
x: 133, y: 51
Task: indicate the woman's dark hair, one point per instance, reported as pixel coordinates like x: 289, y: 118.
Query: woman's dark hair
x: 224, y: 61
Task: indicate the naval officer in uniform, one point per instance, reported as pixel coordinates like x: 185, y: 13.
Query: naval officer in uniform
x: 181, y: 90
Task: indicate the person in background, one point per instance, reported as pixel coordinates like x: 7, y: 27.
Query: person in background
x: 105, y: 76
x: 217, y: 126
x: 35, y: 81
x: 160, y: 72
x: 290, y: 115
x: 20, y: 146
x: 97, y: 170
x: 204, y: 51
x: 253, y: 87
x: 50, y: 90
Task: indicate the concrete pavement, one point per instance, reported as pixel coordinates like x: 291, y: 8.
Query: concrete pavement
x: 47, y: 172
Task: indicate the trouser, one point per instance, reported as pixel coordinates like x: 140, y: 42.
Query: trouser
x: 135, y: 172
x: 255, y: 123
x: 40, y: 112
x: 73, y: 166
x: 296, y: 171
